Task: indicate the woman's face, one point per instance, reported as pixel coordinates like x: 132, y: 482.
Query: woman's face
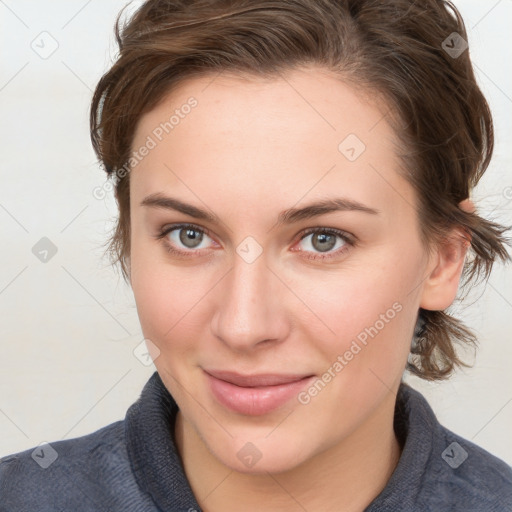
x: 314, y: 305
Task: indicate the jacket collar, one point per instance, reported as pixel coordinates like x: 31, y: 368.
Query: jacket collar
x: 149, y: 430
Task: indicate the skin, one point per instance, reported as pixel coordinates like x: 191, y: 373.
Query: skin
x: 249, y: 150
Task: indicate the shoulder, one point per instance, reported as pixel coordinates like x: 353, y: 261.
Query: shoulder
x: 457, y: 474
x: 86, y: 473
x: 466, y: 474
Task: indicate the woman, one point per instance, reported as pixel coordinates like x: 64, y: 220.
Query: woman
x: 293, y: 181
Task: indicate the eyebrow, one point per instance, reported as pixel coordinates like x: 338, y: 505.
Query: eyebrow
x: 322, y: 207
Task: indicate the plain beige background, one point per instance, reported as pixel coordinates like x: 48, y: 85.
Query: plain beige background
x: 69, y: 326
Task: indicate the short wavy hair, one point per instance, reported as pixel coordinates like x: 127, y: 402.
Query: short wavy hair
x: 407, y: 51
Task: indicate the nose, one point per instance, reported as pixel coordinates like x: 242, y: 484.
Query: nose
x: 251, y: 311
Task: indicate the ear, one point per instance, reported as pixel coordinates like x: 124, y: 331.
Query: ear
x: 445, y: 269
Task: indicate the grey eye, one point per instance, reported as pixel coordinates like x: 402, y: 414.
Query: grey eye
x: 188, y: 237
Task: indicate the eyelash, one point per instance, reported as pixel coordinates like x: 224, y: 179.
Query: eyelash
x: 347, y: 239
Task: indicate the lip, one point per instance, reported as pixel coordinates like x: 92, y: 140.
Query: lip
x: 254, y: 395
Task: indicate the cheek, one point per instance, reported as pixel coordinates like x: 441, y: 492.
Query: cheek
x: 367, y: 329
x: 359, y: 294
x: 366, y: 357
x: 159, y: 300
x: 367, y: 313
x: 164, y: 303
x: 171, y: 302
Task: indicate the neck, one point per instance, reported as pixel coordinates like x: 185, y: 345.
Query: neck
x: 346, y: 477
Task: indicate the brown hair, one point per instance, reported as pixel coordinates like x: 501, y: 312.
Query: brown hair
x: 405, y: 50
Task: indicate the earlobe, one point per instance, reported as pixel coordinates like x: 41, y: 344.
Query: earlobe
x: 441, y: 286
x: 467, y: 205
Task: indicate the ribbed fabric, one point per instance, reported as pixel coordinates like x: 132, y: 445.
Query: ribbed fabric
x: 149, y: 430
x: 133, y: 466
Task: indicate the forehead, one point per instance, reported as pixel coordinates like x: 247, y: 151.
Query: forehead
x: 307, y: 102
x: 304, y: 131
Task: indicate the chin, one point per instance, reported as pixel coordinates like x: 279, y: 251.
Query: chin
x: 262, y: 456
